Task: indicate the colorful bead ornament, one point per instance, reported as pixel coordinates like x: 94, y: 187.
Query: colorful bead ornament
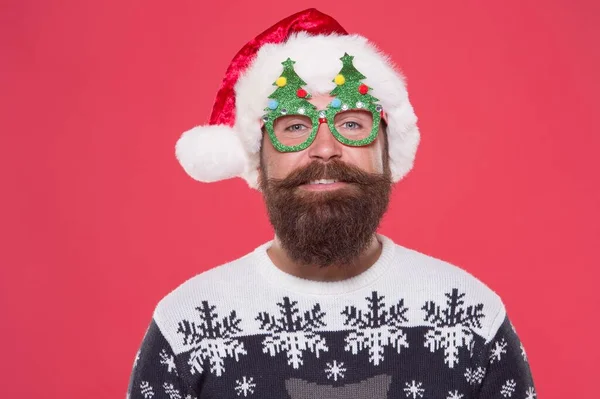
x: 339, y: 79
x: 363, y: 89
x: 281, y: 81
x: 336, y: 103
x: 273, y: 104
x: 301, y: 93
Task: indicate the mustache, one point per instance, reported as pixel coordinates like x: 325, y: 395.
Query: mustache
x: 335, y: 169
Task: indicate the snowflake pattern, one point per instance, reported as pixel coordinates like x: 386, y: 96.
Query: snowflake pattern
x: 454, y: 395
x: 414, y: 389
x: 335, y: 370
x: 171, y: 391
x: 293, y: 333
x: 169, y: 361
x: 497, y: 351
x: 474, y: 376
x: 530, y: 393
x: 523, y: 353
x: 508, y: 388
x: 453, y: 325
x: 376, y: 328
x: 246, y: 386
x: 211, y: 340
x: 146, y: 390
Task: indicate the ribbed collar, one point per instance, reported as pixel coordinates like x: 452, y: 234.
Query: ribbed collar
x: 279, y: 278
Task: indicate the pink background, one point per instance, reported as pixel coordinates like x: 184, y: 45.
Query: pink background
x: 99, y: 221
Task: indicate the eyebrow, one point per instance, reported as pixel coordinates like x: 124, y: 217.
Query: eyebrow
x: 353, y: 112
x: 299, y: 117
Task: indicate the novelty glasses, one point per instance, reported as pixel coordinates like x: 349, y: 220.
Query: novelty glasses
x: 292, y: 122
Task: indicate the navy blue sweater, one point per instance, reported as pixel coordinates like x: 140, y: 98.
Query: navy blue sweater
x: 411, y: 326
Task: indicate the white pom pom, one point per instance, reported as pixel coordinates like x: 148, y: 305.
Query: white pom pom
x: 211, y: 153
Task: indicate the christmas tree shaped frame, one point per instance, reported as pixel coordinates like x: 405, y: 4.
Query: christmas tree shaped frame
x: 290, y: 99
x: 351, y: 93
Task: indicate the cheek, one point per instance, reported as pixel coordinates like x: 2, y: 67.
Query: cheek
x: 279, y: 164
x: 377, y: 160
x: 369, y: 158
x: 378, y: 155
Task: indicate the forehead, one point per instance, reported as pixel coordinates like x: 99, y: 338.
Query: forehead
x: 320, y: 100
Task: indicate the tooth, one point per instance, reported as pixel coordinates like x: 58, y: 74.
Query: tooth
x: 323, y: 181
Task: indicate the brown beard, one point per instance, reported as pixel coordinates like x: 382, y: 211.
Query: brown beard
x: 326, y: 228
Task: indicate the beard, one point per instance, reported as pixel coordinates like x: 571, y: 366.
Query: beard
x: 330, y: 227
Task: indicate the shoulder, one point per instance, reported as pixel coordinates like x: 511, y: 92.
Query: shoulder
x: 213, y: 286
x: 210, y: 283
x: 442, y: 284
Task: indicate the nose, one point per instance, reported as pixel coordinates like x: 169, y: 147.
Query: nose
x: 325, y: 146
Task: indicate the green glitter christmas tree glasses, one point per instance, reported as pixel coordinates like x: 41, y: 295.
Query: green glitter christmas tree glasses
x: 292, y: 121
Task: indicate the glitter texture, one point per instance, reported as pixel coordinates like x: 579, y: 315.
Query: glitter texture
x: 349, y: 90
x: 290, y: 103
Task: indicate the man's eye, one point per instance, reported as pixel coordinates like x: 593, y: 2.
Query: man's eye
x: 296, y: 127
x: 351, y: 125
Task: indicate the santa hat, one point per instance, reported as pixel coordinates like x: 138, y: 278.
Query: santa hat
x: 229, y: 145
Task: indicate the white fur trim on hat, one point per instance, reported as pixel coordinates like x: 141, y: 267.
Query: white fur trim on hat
x: 317, y: 62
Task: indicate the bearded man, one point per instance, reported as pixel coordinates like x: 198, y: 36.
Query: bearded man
x: 320, y: 122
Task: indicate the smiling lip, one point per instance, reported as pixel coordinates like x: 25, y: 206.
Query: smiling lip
x: 323, y: 185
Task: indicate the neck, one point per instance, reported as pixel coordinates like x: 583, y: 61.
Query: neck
x: 335, y: 272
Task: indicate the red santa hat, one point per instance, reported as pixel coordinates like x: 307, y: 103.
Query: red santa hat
x: 229, y: 145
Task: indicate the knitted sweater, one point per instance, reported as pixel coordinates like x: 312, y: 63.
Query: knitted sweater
x: 411, y: 326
